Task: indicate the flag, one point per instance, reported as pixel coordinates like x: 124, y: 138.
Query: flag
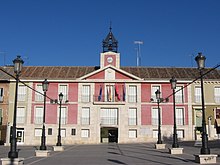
x: 124, y: 90
x: 100, y: 94
x: 116, y: 93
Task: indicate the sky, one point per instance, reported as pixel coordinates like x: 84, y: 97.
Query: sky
x: 70, y: 32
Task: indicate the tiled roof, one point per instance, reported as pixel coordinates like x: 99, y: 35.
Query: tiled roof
x: 74, y: 72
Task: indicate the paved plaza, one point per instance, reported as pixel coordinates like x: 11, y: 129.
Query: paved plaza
x: 114, y: 154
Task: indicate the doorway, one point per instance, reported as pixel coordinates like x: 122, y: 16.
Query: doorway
x: 109, y: 135
x: 20, y: 135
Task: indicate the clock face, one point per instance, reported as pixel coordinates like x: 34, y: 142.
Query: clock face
x: 109, y: 59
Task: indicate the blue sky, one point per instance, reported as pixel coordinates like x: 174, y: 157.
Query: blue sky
x: 70, y: 32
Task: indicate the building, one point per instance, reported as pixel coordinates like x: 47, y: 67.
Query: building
x: 4, y: 104
x: 109, y: 103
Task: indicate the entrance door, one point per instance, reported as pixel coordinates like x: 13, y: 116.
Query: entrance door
x: 109, y: 135
x: 113, y: 135
x: 20, y: 135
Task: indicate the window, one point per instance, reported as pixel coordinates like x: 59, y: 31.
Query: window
x: 109, y: 116
x: 64, y: 91
x: 154, y: 115
x: 1, y: 117
x: 21, y: 93
x: 85, y: 133
x: 63, y: 132
x: 132, y: 133
x: 20, y: 115
x: 132, y: 116
x: 73, y: 131
x: 153, y: 90
x: 155, y: 133
x: 132, y: 98
x: 1, y: 94
x: 197, y: 94
x: 217, y: 94
x: 50, y: 131
x: 37, y: 132
x: 85, y: 93
x: 180, y: 134
x: 179, y: 94
x: 85, y: 119
x: 38, y: 96
x: 198, y: 113
x: 38, y: 118
x: 179, y: 116
x: 63, y: 115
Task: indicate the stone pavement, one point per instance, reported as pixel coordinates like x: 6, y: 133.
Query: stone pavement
x: 114, y: 154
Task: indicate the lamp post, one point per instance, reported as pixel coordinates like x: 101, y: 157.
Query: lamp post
x: 59, y: 135
x: 43, y: 137
x: 173, y: 87
x: 200, y: 59
x: 18, y: 62
x: 159, y: 120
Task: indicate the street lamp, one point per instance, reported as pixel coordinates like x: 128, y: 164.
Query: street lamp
x: 18, y: 62
x: 45, y: 85
x: 175, y: 140
x: 200, y: 59
x: 59, y: 135
x: 159, y: 120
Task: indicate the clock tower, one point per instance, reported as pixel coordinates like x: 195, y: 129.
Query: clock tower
x: 110, y: 55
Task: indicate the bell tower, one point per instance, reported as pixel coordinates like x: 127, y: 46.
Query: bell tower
x: 110, y: 55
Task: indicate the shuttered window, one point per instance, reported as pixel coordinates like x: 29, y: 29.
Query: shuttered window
x: 21, y: 93
x: 63, y: 89
x: 154, y: 114
x: 63, y: 115
x: 85, y: 93
x: 85, y: 119
x: 85, y: 133
x: 217, y: 94
x: 179, y: 94
x: 132, y: 98
x: 38, y: 96
x: 197, y: 94
x: 109, y: 116
x: 179, y: 116
x: 132, y: 116
x: 132, y: 133
x: 153, y: 90
x: 20, y: 115
x: 38, y: 118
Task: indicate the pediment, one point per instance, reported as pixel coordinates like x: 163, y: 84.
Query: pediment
x: 110, y: 73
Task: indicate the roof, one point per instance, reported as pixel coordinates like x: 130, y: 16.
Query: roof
x: 75, y: 72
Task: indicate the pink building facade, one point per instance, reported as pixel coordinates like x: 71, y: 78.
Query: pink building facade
x: 103, y: 104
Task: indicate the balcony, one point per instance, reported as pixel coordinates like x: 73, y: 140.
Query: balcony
x: 105, y: 99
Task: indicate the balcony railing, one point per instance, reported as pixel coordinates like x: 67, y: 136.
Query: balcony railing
x: 106, y: 98
x: 109, y: 121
